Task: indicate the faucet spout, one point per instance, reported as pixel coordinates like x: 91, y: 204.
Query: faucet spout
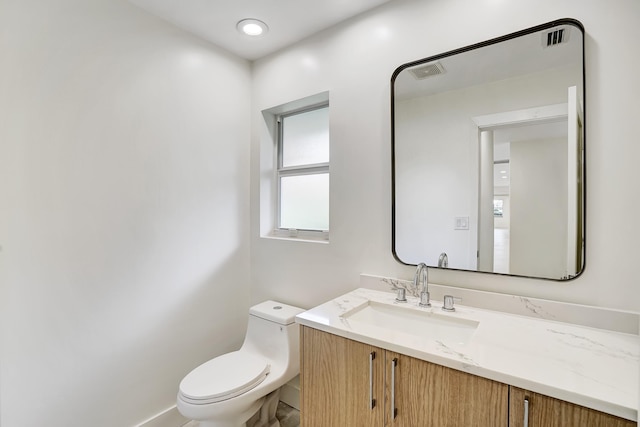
x: 422, y: 277
x: 443, y: 261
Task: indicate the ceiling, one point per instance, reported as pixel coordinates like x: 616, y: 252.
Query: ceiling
x: 289, y: 20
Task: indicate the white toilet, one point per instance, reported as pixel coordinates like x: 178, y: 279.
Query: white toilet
x: 231, y: 389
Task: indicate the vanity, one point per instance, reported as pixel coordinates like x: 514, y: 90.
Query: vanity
x: 367, y: 360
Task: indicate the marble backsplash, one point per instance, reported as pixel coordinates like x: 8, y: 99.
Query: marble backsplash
x: 595, y: 317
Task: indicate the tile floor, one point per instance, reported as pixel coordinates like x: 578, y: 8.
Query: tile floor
x: 288, y: 417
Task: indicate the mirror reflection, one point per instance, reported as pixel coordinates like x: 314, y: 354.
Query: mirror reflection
x: 488, y: 156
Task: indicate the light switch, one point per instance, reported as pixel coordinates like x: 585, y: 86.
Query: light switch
x: 461, y: 223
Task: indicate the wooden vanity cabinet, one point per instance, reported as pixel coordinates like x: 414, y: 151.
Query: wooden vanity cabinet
x: 340, y: 378
x: 345, y: 383
x: 341, y: 381
x: 529, y: 409
x: 427, y: 394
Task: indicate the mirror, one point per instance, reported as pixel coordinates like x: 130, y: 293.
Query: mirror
x: 488, y: 155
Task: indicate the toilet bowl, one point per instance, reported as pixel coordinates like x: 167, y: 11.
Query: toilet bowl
x: 228, y: 390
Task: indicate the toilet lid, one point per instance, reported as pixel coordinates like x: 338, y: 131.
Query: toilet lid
x: 224, y: 377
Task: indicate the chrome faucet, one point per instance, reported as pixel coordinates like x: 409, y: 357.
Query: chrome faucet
x: 443, y: 261
x: 422, y: 275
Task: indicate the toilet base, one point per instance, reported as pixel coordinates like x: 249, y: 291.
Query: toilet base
x: 266, y: 416
x: 241, y: 421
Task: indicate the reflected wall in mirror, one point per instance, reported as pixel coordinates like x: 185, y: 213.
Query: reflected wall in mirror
x: 488, y: 155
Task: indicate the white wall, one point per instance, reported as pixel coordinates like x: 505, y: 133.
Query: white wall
x: 355, y: 62
x: 538, y: 190
x: 124, y: 181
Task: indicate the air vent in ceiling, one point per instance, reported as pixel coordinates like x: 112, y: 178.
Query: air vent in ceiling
x: 555, y: 37
x: 428, y: 70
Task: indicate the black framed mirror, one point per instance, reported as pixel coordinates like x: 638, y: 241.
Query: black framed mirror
x: 488, y: 156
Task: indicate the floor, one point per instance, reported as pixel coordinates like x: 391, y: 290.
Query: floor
x: 288, y: 417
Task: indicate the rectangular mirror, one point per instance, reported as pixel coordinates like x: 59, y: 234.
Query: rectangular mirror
x: 488, y: 155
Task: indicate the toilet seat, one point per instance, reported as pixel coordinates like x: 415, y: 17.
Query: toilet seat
x: 224, y: 377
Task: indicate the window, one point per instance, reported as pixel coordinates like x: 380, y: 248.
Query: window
x: 303, y: 171
x: 498, y: 206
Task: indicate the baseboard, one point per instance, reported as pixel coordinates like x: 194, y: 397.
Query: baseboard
x: 170, y: 417
x: 290, y: 393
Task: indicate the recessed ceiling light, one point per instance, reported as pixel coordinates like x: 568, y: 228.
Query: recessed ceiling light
x: 252, y: 27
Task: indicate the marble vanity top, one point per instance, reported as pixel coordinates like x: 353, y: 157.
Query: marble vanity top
x: 591, y: 367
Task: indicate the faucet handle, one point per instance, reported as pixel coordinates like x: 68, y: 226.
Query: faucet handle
x: 402, y: 295
x: 448, y: 303
x: 424, y: 299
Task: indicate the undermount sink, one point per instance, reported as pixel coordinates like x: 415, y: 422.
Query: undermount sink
x: 416, y: 323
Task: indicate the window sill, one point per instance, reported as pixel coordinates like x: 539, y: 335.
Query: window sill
x: 302, y: 236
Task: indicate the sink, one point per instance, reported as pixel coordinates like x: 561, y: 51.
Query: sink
x: 410, y: 322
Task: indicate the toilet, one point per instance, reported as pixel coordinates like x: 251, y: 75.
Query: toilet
x: 241, y: 388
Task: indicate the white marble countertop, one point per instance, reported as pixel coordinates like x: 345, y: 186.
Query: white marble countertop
x: 590, y: 367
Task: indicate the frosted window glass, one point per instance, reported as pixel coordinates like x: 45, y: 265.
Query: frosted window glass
x: 304, y: 202
x: 305, y: 138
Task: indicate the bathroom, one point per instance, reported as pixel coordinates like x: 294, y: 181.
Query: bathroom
x: 130, y: 205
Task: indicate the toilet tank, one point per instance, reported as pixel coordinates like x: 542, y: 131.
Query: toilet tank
x: 273, y: 332
x: 277, y: 312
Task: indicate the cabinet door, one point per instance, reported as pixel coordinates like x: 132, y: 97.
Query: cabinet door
x: 528, y: 409
x: 427, y: 394
x: 341, y: 381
